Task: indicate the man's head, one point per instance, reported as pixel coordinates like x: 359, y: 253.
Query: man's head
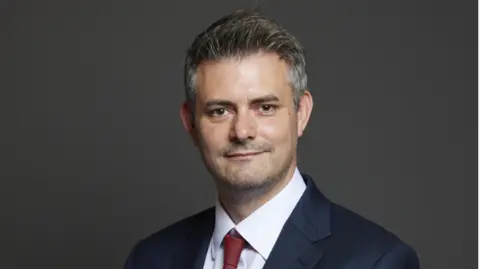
x: 246, y: 100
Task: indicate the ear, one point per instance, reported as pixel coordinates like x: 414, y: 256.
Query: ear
x: 305, y: 106
x: 186, y: 112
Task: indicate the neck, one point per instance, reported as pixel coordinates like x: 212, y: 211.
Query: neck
x: 240, y: 205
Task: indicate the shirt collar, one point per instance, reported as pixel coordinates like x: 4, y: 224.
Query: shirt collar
x: 262, y: 228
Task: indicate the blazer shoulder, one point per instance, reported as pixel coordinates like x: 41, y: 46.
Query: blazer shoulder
x: 360, y: 233
x: 358, y: 242
x: 165, y: 241
x: 178, y: 229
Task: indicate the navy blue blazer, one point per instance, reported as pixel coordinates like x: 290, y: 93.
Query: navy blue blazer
x: 318, y: 235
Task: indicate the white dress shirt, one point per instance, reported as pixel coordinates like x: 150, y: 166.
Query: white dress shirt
x: 260, y: 229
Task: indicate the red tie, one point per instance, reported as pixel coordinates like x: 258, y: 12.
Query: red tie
x: 232, y: 248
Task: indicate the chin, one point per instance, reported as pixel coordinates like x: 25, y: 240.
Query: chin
x: 247, y: 181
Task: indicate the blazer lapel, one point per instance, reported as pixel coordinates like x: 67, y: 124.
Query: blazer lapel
x: 304, y: 237
x: 194, y: 249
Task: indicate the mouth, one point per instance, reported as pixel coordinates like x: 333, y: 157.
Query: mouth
x: 243, y: 155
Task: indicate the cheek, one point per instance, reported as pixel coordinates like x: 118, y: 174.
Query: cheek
x: 278, y: 131
x: 212, y: 137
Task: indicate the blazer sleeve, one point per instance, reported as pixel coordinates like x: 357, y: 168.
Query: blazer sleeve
x: 401, y: 256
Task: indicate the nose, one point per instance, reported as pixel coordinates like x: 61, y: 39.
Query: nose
x: 244, y: 127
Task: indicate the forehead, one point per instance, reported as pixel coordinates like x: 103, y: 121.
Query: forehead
x: 240, y: 78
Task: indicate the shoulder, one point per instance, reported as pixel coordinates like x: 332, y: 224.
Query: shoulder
x: 365, y: 240
x: 350, y: 225
x: 163, y: 243
x: 178, y: 229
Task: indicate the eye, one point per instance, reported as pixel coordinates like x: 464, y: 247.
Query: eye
x: 217, y: 112
x: 267, y: 108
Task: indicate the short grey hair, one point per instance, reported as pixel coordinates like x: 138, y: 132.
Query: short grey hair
x: 242, y: 33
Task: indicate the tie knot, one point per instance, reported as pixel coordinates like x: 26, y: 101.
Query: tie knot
x: 232, y: 247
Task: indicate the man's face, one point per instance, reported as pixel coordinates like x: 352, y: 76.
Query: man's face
x: 246, y: 125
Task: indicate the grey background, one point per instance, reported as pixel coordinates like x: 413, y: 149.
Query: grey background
x: 94, y: 156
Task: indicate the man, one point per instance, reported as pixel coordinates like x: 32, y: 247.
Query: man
x: 246, y: 105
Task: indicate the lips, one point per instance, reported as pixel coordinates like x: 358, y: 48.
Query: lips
x: 243, y: 154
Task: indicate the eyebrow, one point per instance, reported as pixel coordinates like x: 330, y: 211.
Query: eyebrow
x: 258, y: 100
x: 265, y: 99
